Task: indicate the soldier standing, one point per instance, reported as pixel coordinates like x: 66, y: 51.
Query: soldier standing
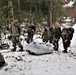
x: 15, y: 35
x: 67, y: 34
x: 0, y: 31
x: 0, y: 36
x: 51, y: 34
x: 56, y: 35
x: 46, y: 35
x: 30, y: 32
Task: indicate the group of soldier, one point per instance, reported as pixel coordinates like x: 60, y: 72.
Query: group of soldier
x: 15, y: 31
x: 54, y: 33
x: 51, y: 34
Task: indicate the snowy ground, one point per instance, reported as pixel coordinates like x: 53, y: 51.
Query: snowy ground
x: 58, y: 63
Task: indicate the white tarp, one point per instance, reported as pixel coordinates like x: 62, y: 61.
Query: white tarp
x: 39, y: 48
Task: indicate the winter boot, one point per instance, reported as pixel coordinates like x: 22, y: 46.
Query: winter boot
x: 21, y: 48
x: 65, y: 51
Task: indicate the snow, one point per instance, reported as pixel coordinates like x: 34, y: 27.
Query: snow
x: 58, y: 63
x: 70, y: 4
x: 68, y: 19
x: 67, y: 22
x: 73, y: 42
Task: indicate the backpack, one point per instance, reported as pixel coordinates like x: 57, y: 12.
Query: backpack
x: 65, y: 34
x: 71, y: 31
x: 30, y: 32
x: 57, y: 32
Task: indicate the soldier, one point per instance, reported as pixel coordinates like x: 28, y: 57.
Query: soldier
x: 15, y: 35
x: 2, y: 61
x: 30, y: 32
x: 71, y: 31
x: 0, y: 31
x: 0, y: 36
x: 66, y: 37
x: 33, y: 26
x: 56, y: 35
x: 51, y: 34
x: 46, y: 35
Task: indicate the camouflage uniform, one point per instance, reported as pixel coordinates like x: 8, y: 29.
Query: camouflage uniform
x: 65, y: 38
x: 2, y: 61
x: 56, y: 37
x: 51, y: 34
x: 71, y: 31
x: 15, y: 35
x: 0, y: 36
x: 0, y: 31
x: 30, y: 32
x: 46, y: 35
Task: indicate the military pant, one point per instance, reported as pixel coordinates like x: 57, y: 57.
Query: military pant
x: 15, y: 41
x: 55, y: 43
x: 66, y: 45
x: 29, y: 39
x: 2, y: 61
x: 0, y: 44
x: 45, y: 40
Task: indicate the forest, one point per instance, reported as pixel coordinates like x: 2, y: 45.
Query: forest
x: 37, y: 10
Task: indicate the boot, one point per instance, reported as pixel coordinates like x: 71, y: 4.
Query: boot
x: 21, y: 48
x: 65, y: 51
x: 13, y: 50
x: 2, y: 63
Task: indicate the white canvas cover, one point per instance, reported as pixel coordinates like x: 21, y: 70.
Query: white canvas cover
x: 39, y: 48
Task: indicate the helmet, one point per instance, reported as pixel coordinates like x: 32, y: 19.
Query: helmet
x: 15, y: 22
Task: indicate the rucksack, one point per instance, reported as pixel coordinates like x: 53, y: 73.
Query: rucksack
x: 64, y: 34
x: 30, y: 32
x: 71, y: 31
x: 57, y: 32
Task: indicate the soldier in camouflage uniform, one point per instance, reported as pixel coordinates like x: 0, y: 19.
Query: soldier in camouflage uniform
x: 56, y: 35
x: 46, y: 35
x: 51, y: 34
x: 15, y: 35
x: 30, y: 32
x: 67, y: 34
x: 0, y: 36
x: 0, y: 31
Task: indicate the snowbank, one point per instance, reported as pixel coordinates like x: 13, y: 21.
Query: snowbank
x: 73, y: 42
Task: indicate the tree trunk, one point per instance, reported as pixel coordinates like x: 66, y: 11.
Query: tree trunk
x: 19, y: 10
x: 10, y: 12
x: 50, y: 14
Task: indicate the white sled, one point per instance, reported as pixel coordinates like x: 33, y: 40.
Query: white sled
x: 39, y: 48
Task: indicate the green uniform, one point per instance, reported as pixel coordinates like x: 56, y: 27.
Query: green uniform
x: 30, y: 32
x: 0, y: 32
x: 56, y: 37
x: 65, y: 38
x: 15, y: 37
x: 0, y: 36
x: 46, y: 35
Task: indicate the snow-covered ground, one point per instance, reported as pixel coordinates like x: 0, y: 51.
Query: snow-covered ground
x: 58, y: 63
